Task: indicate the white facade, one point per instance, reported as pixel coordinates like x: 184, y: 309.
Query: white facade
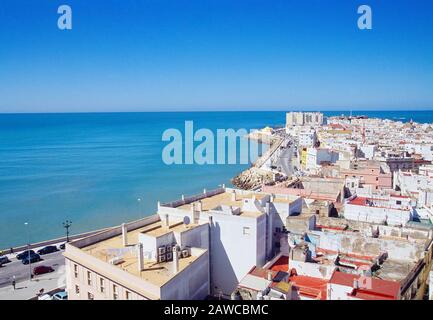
x: 368, y: 151
x: 307, y: 138
x: 317, y: 156
x: 237, y: 243
x: 91, y: 273
x: 425, y: 150
x: 240, y: 237
x: 410, y: 182
x: 419, y: 186
x: 394, y: 212
x: 340, y: 292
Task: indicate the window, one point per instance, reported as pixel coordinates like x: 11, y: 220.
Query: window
x: 89, y: 278
x: 115, y: 293
x: 246, y: 230
x: 128, y: 295
x: 75, y: 271
x: 77, y: 289
x: 398, y: 202
x: 101, y: 285
x: 277, y: 230
x: 90, y: 296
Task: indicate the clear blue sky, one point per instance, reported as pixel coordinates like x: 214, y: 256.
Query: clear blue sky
x: 143, y: 55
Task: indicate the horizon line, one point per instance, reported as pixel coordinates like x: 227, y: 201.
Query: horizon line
x: 212, y: 110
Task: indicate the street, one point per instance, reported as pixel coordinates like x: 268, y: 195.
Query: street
x: 285, y: 160
x: 21, y: 271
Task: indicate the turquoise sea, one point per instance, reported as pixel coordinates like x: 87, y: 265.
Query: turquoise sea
x: 92, y: 168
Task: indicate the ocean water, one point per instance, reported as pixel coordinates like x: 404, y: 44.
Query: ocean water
x: 91, y: 168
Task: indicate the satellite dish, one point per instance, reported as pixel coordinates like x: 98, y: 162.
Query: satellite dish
x: 186, y: 220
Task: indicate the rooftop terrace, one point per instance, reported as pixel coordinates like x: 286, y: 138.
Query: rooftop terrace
x: 153, y: 272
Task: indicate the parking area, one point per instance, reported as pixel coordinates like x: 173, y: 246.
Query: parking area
x: 26, y: 288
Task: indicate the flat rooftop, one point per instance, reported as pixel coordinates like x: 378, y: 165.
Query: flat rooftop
x: 225, y: 199
x: 153, y: 272
x: 395, y: 270
x: 178, y: 226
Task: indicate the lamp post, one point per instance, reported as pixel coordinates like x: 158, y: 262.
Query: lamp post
x: 67, y: 225
x: 139, y: 205
x: 28, y: 250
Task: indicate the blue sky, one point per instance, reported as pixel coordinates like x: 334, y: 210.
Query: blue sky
x: 152, y: 55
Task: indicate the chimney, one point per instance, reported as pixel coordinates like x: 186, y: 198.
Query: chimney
x: 199, y: 206
x: 269, y: 276
x: 272, y: 198
x: 175, y: 259
x: 165, y: 221
x: 233, y: 195
x: 183, y: 197
x: 124, y: 234
x: 204, y: 191
x: 140, y: 260
x: 355, y: 284
x: 223, y: 186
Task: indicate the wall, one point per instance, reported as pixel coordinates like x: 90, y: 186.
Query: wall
x: 100, y: 269
x: 312, y: 269
x: 352, y: 243
x: 339, y: 292
x: 376, y: 214
x: 234, y: 253
x: 192, y: 283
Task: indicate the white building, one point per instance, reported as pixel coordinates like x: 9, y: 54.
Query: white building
x: 316, y: 157
x: 425, y: 150
x: 392, y: 210
x: 143, y: 260
x: 307, y: 138
x: 419, y: 186
x: 367, y: 151
x: 242, y: 229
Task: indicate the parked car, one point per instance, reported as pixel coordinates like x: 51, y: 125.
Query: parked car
x: 32, y: 259
x: 42, y: 269
x: 4, y: 260
x: 61, y: 295
x: 24, y: 254
x: 47, y: 249
x: 45, y: 296
x: 62, y: 246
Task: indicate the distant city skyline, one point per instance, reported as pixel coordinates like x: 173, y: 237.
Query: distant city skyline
x: 282, y: 55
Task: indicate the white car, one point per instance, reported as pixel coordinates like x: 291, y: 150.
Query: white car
x: 4, y: 260
x: 44, y: 297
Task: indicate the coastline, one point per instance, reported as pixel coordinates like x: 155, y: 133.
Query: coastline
x: 49, y: 161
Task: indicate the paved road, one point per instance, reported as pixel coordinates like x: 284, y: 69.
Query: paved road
x: 285, y: 161
x: 21, y: 271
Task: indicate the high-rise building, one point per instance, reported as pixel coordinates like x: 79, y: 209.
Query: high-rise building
x: 304, y: 119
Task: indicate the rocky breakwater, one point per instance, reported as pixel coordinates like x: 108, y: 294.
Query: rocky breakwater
x: 253, y: 178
